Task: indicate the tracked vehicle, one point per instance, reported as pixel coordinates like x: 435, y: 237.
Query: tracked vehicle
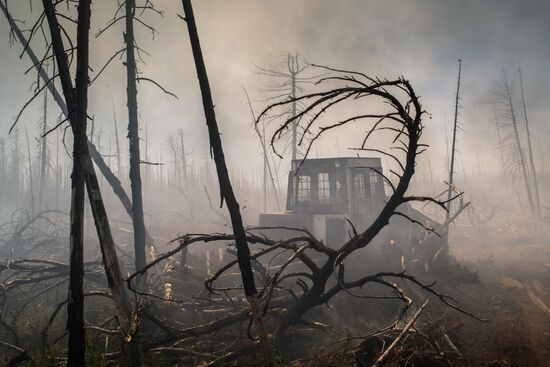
x: 328, y: 196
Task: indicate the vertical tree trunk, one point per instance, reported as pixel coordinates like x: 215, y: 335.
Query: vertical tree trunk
x: 31, y: 181
x: 294, y: 122
x: 500, y: 144
x: 267, y: 166
x: 523, y: 166
x: 3, y: 160
x: 452, y: 160
x: 117, y: 142
x: 226, y: 190
x: 57, y: 169
x: 536, y: 198
x: 183, y: 159
x: 43, y: 152
x: 133, y: 136
x: 75, y: 308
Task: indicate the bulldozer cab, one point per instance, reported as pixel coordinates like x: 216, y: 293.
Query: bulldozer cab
x: 324, y: 195
x: 342, y: 186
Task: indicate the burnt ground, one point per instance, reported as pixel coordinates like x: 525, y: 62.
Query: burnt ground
x: 512, y: 294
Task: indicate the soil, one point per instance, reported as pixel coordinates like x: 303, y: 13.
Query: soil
x: 512, y: 295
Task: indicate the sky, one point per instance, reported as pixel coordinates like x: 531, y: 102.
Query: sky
x: 418, y: 39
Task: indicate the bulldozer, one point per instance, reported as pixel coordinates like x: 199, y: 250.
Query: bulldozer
x: 332, y: 198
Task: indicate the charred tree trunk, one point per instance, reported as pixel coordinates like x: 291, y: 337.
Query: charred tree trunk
x: 76, y: 104
x: 183, y: 159
x: 521, y: 157
x: 536, y: 197
x: 226, y: 190
x: 452, y: 161
x: 31, y: 180
x: 43, y: 152
x: 117, y: 143
x: 3, y: 165
x: 293, y: 96
x: 78, y: 116
x: 133, y: 137
x: 267, y: 167
x: 500, y: 144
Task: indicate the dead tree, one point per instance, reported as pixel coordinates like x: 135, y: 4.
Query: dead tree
x: 31, y: 180
x: 111, y: 178
x: 133, y: 137
x: 536, y: 197
x: 84, y: 174
x: 513, y: 147
x: 321, y: 275
x: 288, y: 81
x: 499, y: 140
x: 3, y: 165
x: 78, y: 116
x: 183, y: 159
x: 405, y: 120
x: 117, y: 143
x: 267, y: 165
x: 450, y: 190
x: 43, y: 150
x: 226, y: 190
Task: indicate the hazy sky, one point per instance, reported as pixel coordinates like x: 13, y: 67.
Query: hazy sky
x: 419, y: 39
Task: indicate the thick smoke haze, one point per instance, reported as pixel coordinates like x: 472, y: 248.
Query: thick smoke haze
x: 420, y: 40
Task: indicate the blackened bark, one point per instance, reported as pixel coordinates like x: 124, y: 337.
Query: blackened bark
x: 75, y: 308
x: 452, y: 162
x: 226, y: 190
x: 43, y: 153
x: 76, y: 105
x: 133, y: 137
x: 78, y: 116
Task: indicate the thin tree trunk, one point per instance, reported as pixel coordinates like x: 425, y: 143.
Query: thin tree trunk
x: 452, y: 160
x: 518, y: 145
x: 117, y: 142
x: 133, y: 136
x: 500, y: 145
x: 31, y: 181
x: 44, y: 151
x: 57, y: 169
x: 267, y: 166
x: 226, y: 190
x: 3, y: 161
x: 183, y: 159
x: 530, y: 151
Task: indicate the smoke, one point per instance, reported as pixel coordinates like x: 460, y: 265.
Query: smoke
x: 420, y: 40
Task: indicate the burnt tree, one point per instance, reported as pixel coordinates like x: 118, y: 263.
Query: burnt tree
x: 78, y: 116
x: 226, y: 189
x: 86, y: 176
x: 133, y: 137
x: 404, y: 120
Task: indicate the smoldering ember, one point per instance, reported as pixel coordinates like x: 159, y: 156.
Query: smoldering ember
x: 283, y: 183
